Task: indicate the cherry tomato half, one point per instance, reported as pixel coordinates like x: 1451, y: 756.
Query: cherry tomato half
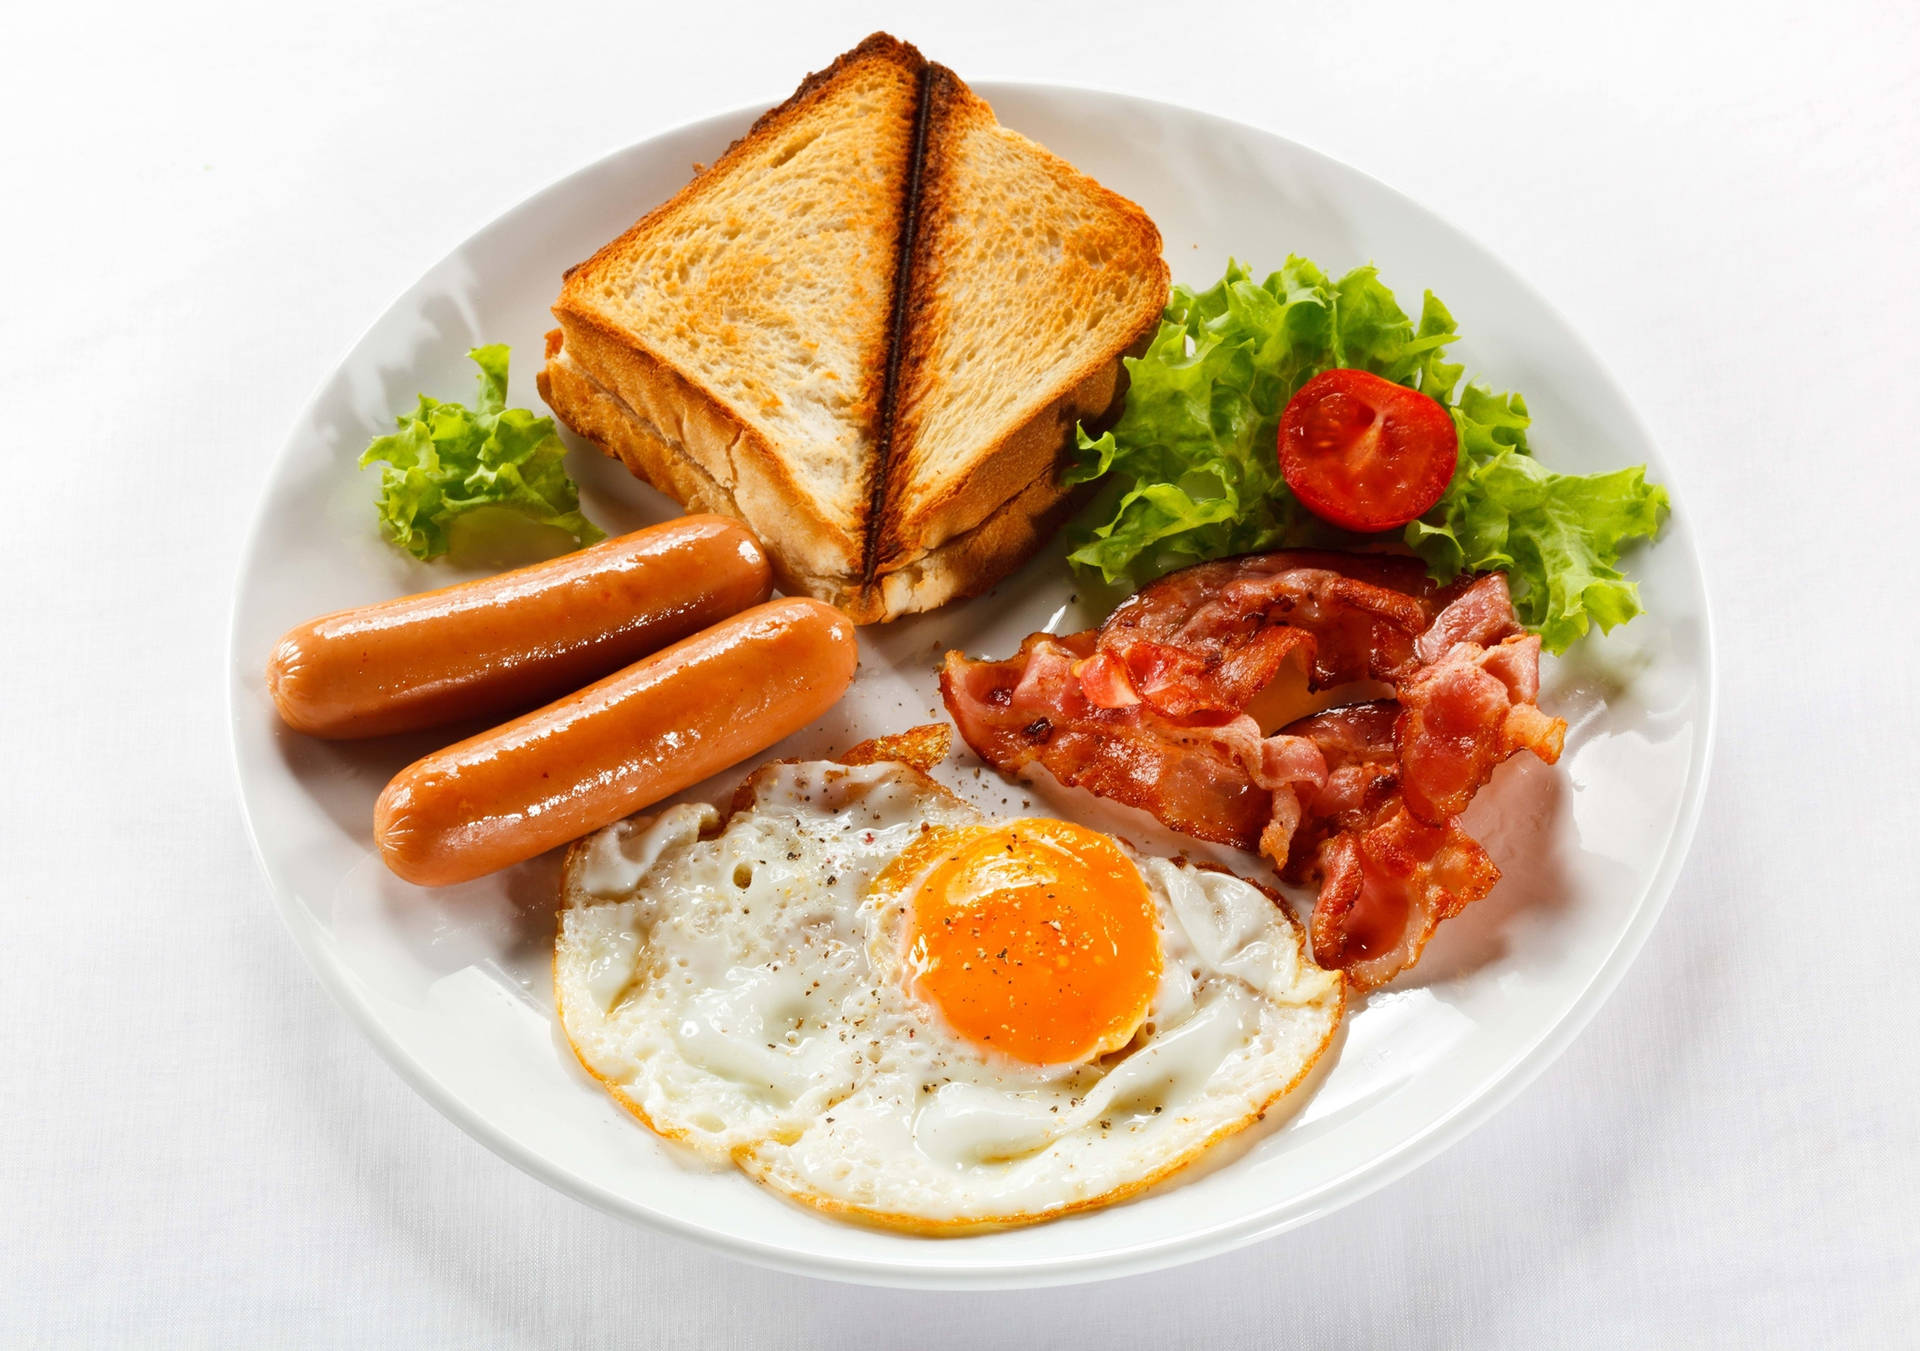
x: 1365, y: 453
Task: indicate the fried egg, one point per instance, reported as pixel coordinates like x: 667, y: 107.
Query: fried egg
x: 880, y: 1002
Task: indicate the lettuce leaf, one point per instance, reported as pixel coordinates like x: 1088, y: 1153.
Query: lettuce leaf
x: 1189, y: 472
x: 448, y: 460
x: 1556, y: 536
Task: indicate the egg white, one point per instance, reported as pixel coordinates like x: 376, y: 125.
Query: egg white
x: 737, y: 984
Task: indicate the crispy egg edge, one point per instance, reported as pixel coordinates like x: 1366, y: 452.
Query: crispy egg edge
x: 872, y: 752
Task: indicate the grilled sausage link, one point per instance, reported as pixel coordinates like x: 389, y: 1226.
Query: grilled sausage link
x: 609, y: 750
x: 505, y: 643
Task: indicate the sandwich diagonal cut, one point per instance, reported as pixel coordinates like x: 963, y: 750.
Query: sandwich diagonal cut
x: 868, y: 331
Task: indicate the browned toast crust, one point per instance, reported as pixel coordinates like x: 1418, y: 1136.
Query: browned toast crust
x: 894, y: 556
x: 679, y: 405
x: 1034, y: 447
x: 961, y: 566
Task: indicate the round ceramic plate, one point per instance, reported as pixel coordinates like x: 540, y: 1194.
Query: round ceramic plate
x: 454, y: 986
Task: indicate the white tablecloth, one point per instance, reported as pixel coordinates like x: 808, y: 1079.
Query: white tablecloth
x: 204, y: 206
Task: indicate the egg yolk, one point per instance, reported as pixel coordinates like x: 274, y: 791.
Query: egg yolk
x: 1035, y: 939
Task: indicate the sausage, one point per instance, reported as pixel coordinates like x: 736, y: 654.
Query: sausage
x: 507, y: 643
x: 640, y: 735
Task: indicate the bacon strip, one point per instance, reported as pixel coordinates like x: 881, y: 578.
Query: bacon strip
x: 1386, y: 878
x: 1385, y: 890
x: 1365, y: 799
x: 1223, y: 782
x: 1211, y: 637
x: 1363, y: 779
x: 1469, y: 703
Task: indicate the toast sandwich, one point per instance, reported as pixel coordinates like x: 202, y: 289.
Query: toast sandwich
x: 867, y: 330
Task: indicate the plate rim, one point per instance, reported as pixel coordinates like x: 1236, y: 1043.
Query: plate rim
x: 1511, y: 1077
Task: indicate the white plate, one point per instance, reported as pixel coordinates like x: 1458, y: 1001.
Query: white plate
x: 454, y: 986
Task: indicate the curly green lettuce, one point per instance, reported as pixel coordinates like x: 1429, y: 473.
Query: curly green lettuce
x: 448, y: 461
x: 1189, y: 473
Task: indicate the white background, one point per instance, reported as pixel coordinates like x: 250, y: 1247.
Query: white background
x: 201, y: 208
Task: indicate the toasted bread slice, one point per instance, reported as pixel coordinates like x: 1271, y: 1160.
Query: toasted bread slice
x: 867, y: 330
x: 1028, y: 282
x: 746, y: 321
x: 962, y: 565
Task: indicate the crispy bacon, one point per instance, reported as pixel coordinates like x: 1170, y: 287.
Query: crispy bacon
x: 1481, y: 614
x: 1385, y: 889
x: 1469, y: 703
x: 1210, y: 637
x: 1356, y: 742
x: 1386, y: 878
x: 1223, y: 782
x: 1150, y: 710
